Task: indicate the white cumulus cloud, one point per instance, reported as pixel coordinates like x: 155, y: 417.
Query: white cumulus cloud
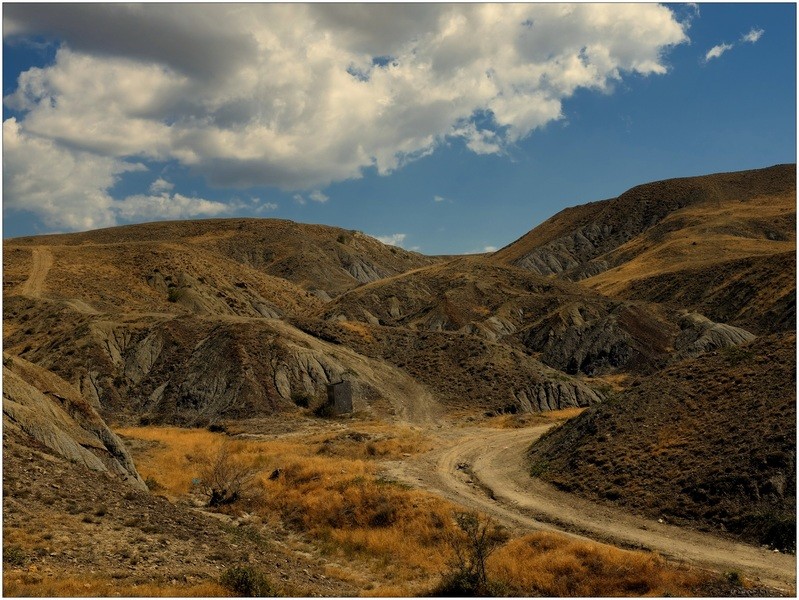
x: 68, y: 188
x: 318, y: 196
x: 297, y: 96
x: 161, y: 185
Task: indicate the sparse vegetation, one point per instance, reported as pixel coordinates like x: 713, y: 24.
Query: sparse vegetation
x: 224, y: 477
x: 14, y: 556
x: 247, y: 582
x: 472, y: 543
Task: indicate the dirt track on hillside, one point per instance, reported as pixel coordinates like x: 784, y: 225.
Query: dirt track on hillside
x: 485, y: 469
x: 41, y: 261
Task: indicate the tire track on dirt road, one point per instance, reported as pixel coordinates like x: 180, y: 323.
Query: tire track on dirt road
x: 486, y: 469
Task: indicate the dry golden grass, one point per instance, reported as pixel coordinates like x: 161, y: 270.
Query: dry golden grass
x: 17, y: 583
x: 703, y: 237
x: 358, y: 328
x: 393, y: 537
x: 170, y: 462
x: 547, y: 564
x: 508, y: 421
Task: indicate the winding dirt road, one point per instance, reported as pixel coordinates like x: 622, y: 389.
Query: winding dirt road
x: 484, y: 469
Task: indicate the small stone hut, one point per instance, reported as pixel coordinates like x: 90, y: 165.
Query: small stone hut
x: 339, y: 397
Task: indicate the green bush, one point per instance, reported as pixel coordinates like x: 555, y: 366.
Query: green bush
x: 246, y: 582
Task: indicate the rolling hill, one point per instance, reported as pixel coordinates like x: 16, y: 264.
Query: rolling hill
x: 722, y: 245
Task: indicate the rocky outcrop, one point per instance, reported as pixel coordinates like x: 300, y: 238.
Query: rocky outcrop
x: 556, y: 395
x: 581, y: 338
x: 699, y: 334
x: 570, y: 251
x: 52, y: 412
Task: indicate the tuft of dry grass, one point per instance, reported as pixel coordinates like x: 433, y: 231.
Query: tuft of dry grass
x: 358, y: 328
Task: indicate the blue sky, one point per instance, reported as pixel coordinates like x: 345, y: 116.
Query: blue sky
x: 441, y: 128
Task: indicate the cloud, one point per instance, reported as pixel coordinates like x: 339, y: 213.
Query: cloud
x: 753, y: 36
x: 395, y: 239
x: 299, y: 199
x: 717, y: 51
x: 489, y: 248
x: 297, y: 96
x: 68, y: 188
x: 166, y: 206
x: 439, y: 199
x: 267, y: 206
x: 160, y: 185
x: 318, y: 196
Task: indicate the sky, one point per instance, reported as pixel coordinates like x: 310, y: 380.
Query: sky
x: 441, y: 128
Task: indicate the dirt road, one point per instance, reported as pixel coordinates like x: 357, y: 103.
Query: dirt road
x: 484, y: 469
x: 41, y: 261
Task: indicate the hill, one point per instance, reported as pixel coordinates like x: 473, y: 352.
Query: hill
x: 564, y: 325
x: 705, y: 243
x: 194, y: 260
x: 709, y: 441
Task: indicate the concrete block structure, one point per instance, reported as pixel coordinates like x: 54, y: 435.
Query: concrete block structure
x: 339, y: 397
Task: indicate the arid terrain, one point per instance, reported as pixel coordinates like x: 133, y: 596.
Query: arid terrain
x: 615, y: 390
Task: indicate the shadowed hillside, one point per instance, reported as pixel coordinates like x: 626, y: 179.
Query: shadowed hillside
x: 709, y: 441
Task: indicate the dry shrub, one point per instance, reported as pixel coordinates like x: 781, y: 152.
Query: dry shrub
x: 474, y: 540
x: 359, y: 329
x: 546, y: 564
x: 224, y: 477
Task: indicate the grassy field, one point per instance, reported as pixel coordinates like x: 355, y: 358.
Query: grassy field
x: 327, y: 488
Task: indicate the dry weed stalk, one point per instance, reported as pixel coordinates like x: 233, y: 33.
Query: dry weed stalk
x: 224, y: 478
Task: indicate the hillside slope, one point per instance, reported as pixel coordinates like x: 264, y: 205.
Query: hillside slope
x: 326, y: 260
x: 679, y: 233
x: 564, y: 325
x: 709, y: 441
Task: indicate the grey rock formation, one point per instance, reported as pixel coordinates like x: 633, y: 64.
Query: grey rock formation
x: 699, y: 334
x: 52, y: 412
x: 556, y: 395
